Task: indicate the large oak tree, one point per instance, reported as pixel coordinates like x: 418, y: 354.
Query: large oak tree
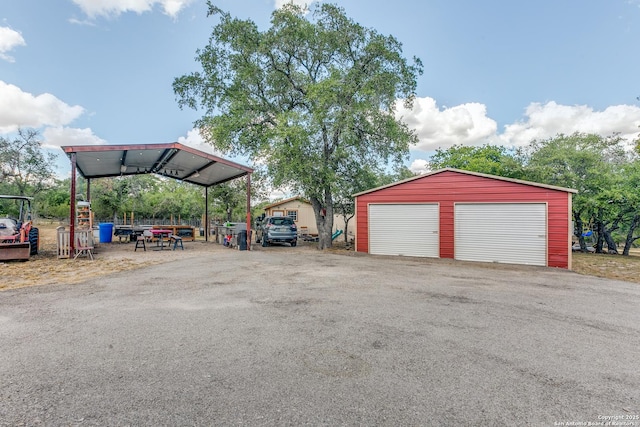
x: 308, y: 98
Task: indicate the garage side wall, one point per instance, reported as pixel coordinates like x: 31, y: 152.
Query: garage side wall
x: 451, y: 187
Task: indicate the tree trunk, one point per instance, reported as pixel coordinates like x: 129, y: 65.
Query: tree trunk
x: 599, y: 235
x: 611, y: 245
x: 346, y: 227
x: 324, y: 220
x: 630, y: 239
x: 578, y: 231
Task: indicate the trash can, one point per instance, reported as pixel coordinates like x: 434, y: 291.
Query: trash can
x: 201, y: 232
x: 242, y: 240
x: 106, y: 231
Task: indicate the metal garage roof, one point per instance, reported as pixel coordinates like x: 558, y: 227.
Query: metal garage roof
x: 173, y: 160
x: 483, y: 175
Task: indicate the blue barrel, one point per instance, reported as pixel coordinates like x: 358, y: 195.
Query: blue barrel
x: 106, y: 231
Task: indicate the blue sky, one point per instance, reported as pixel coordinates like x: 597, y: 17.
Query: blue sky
x: 497, y: 71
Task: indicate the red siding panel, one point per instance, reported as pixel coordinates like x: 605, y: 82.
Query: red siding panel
x: 449, y: 187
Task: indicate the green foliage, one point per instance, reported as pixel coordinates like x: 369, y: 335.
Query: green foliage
x: 25, y: 170
x: 489, y: 159
x: 580, y: 161
x: 593, y: 165
x: 147, y: 196
x: 229, y: 201
x: 54, y: 203
x: 308, y: 99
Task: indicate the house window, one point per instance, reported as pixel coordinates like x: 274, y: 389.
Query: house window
x: 293, y: 215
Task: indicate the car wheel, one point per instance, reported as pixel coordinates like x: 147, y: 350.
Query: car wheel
x: 294, y: 243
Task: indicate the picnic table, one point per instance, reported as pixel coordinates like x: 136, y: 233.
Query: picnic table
x: 160, y: 233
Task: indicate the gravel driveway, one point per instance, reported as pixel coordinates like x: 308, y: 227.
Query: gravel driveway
x: 291, y: 336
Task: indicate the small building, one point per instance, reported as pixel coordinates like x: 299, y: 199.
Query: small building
x: 301, y: 210
x: 469, y: 216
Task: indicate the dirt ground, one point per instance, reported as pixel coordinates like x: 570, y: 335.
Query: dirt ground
x: 46, y: 268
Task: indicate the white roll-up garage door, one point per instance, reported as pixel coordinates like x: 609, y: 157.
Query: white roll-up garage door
x: 404, y: 229
x: 514, y: 233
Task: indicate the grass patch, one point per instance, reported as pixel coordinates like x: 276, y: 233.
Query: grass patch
x: 617, y: 267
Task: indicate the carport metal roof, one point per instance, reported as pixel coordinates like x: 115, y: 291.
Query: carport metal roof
x: 173, y: 160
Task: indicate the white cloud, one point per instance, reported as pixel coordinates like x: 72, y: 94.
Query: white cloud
x: 194, y: 140
x: 59, y: 136
x: 419, y: 166
x: 279, y: 194
x: 107, y: 8
x: 437, y: 128
x: 468, y: 124
x: 86, y: 22
x: 23, y: 109
x: 547, y: 120
x: 9, y: 39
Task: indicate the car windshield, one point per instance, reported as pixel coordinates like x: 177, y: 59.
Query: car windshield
x: 281, y: 221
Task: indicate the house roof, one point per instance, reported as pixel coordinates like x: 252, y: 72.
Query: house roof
x: 282, y: 202
x: 173, y: 160
x: 483, y: 175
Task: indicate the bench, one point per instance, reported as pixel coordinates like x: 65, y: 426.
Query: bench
x: 123, y: 232
x: 176, y: 240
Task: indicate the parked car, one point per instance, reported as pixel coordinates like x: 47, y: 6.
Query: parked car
x: 277, y: 229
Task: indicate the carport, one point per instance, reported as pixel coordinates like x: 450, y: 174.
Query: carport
x: 171, y: 160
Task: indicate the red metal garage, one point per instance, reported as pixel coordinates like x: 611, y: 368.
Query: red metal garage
x: 452, y: 213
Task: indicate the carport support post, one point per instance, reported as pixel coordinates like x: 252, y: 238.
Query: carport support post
x: 206, y: 214
x: 72, y: 207
x: 248, y: 211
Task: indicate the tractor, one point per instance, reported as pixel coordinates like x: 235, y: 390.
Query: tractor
x: 19, y: 239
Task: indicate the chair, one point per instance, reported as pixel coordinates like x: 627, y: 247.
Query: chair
x: 84, y: 246
x: 140, y: 242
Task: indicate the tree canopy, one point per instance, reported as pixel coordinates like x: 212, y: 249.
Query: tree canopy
x: 313, y: 100
x: 489, y: 159
x: 25, y: 170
